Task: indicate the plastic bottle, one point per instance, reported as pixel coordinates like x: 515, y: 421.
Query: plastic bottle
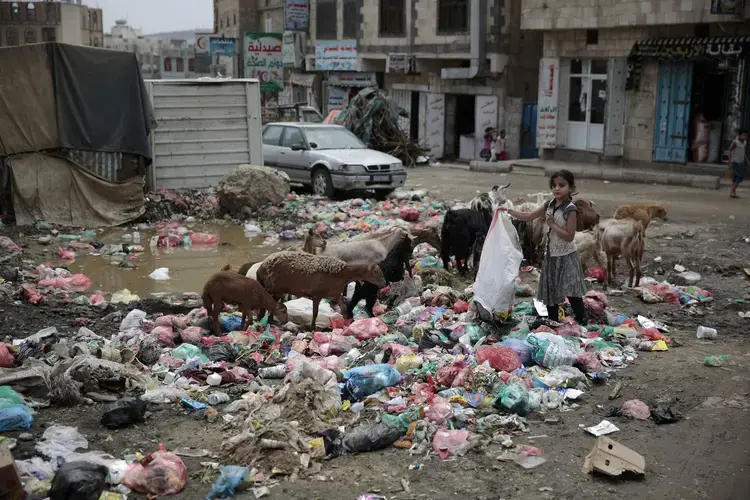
x: 366, y: 380
x: 217, y: 398
x: 705, y: 332
x: 277, y: 371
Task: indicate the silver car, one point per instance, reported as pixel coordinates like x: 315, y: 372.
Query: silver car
x: 329, y: 158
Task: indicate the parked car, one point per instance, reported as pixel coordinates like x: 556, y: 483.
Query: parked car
x: 329, y: 158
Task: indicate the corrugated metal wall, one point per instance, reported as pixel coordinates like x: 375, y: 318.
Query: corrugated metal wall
x: 403, y: 99
x: 103, y: 164
x: 205, y: 130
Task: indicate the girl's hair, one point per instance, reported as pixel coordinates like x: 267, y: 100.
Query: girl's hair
x: 567, y: 176
x: 488, y: 130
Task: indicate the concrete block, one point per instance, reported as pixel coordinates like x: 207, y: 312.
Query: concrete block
x: 501, y: 167
x: 705, y: 182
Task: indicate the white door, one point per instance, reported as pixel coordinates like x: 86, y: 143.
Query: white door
x: 587, y: 100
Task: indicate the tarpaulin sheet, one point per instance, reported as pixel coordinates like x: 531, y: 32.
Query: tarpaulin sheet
x: 56, y: 190
x: 85, y: 98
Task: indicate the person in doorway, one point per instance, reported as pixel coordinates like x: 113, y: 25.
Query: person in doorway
x: 489, y: 137
x: 500, y: 147
x: 738, y: 160
x: 562, y: 274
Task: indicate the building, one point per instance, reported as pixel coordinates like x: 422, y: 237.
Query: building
x: 32, y: 22
x: 124, y: 37
x: 641, y: 81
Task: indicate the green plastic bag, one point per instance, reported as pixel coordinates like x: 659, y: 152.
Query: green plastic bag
x: 9, y: 397
x: 187, y: 351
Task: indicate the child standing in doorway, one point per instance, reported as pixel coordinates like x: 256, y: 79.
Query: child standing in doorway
x: 500, y: 147
x: 738, y: 160
x: 562, y: 274
x: 489, y: 138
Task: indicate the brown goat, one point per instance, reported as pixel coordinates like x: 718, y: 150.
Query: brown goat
x: 315, y: 277
x: 226, y: 287
x: 623, y: 237
x: 644, y: 212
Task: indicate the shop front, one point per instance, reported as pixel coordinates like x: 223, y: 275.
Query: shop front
x: 702, y: 95
x: 343, y: 86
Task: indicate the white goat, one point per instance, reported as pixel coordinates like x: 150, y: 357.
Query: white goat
x: 622, y: 237
x: 589, y: 249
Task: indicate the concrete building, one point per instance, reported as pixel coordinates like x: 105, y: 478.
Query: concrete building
x: 32, y: 22
x: 641, y: 81
x: 125, y: 38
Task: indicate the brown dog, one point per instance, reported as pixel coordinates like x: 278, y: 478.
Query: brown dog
x: 644, y: 212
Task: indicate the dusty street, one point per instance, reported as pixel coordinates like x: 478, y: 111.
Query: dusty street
x: 705, y: 455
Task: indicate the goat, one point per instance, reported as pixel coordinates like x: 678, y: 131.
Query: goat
x: 461, y: 227
x: 490, y: 201
x: 313, y: 276
x: 393, y: 271
x: 531, y: 234
x: 644, y: 212
x: 622, y: 237
x: 231, y: 288
x: 589, y: 249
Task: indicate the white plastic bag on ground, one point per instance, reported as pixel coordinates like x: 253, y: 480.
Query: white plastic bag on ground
x: 161, y: 274
x: 498, y: 268
x: 300, y: 312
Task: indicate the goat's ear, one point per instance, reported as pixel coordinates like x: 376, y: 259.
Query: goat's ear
x: 310, y: 232
x: 495, y: 187
x: 506, y: 186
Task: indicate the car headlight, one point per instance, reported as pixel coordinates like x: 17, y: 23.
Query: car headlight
x: 397, y: 166
x: 352, y: 167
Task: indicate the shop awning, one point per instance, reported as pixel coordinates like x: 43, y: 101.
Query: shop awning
x: 303, y: 79
x: 684, y: 49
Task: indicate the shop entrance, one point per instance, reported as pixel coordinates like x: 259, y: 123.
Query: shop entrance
x: 587, y: 104
x: 460, y: 112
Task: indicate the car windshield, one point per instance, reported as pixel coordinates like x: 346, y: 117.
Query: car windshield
x: 312, y: 117
x: 333, y: 138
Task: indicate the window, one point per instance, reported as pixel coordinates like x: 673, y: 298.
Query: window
x: 267, y: 23
x: 392, y: 18
x: 271, y: 135
x: 48, y: 35
x: 592, y: 37
x: 191, y: 65
x: 235, y: 19
x: 29, y: 36
x: 351, y: 19
x: 30, y: 12
x: 180, y: 65
x: 51, y: 11
x: 11, y: 37
x: 94, y: 21
x: 168, y: 64
x: 453, y: 16
x: 325, y: 22
x: 15, y: 13
x: 292, y: 137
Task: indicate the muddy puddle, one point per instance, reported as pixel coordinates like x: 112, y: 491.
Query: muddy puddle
x: 189, y: 266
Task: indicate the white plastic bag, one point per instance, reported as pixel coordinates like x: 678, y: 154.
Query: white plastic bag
x: 161, y: 274
x: 498, y: 268
x: 300, y: 312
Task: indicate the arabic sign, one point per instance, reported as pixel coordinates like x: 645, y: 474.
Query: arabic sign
x: 435, y: 126
x: 400, y: 63
x: 353, y: 79
x: 296, y: 15
x: 336, y: 55
x: 292, y: 53
x: 726, y: 6
x: 263, y: 60
x: 336, y: 98
x: 202, y: 43
x: 223, y: 46
x: 546, y: 122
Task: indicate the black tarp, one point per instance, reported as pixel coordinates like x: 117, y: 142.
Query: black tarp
x: 99, y: 98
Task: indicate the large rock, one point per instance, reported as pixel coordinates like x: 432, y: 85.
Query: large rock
x: 253, y: 187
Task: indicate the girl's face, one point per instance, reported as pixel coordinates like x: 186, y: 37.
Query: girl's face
x: 560, y: 188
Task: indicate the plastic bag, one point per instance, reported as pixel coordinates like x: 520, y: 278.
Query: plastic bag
x: 369, y: 328
x: 520, y: 347
x: 231, y: 477
x: 551, y: 351
x: 562, y: 376
x: 589, y: 362
x: 6, y: 358
x: 596, y: 273
x: 134, y: 319
x: 164, y: 395
x: 439, y: 411
x: 366, y: 380
x: 445, y: 375
x: 161, y: 274
x: 501, y: 258
x: 409, y: 214
x: 78, y: 480
x: 15, y: 418
x: 164, y: 335
x: 299, y: 311
x: 187, y: 351
x: 74, y: 283
x: 165, y: 474
x: 192, y: 335
x: 361, y: 439
x: 61, y: 441
x: 8, y: 245
x: 124, y: 296
x: 9, y: 397
x: 447, y: 443
x: 502, y: 359
x: 31, y: 294
x: 222, y: 351
x: 124, y: 412
x: 514, y: 398
x: 204, y: 239
x: 635, y: 409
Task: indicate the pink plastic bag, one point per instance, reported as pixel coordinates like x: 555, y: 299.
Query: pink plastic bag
x: 97, y: 299
x: 502, y: 359
x: 378, y: 309
x: 447, y: 443
x: 636, y: 409
x: 341, y: 344
x: 369, y: 328
x: 8, y: 245
x: 165, y: 474
x: 66, y: 254
x: 445, y: 375
x: 177, y: 322
x: 300, y: 346
x: 461, y: 306
x: 664, y: 292
x: 589, y: 362
x: 171, y: 362
x: 596, y: 273
x: 204, y: 239
x: 164, y: 335
x: 398, y: 350
x: 74, y: 283
x: 31, y: 294
x: 192, y: 335
x: 465, y: 378
x: 569, y: 329
x: 438, y: 411
x: 6, y: 358
x: 409, y: 214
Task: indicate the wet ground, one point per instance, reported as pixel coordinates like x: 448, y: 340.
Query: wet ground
x: 704, y: 456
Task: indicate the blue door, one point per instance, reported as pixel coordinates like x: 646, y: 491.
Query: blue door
x: 528, y: 131
x: 675, y: 87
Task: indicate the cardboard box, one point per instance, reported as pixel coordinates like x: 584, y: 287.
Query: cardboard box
x: 613, y: 459
x: 10, y: 480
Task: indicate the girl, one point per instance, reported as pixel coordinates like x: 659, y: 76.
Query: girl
x: 737, y: 160
x: 562, y: 275
x: 489, y: 138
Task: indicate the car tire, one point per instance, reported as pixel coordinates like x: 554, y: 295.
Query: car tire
x: 382, y: 194
x: 322, y: 184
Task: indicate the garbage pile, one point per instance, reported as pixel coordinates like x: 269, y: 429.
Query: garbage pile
x: 373, y: 117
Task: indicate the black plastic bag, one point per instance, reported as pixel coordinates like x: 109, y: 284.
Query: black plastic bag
x: 124, y: 412
x: 664, y: 412
x: 222, y: 351
x: 362, y: 439
x: 78, y: 481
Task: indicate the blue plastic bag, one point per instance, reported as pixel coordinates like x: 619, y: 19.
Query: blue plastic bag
x: 16, y: 418
x: 230, y: 323
x: 231, y: 477
x: 522, y: 349
x: 366, y: 380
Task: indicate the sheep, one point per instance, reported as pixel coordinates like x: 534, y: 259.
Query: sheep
x: 313, y: 276
x: 622, y: 237
x: 393, y: 271
x: 644, y: 212
x: 231, y: 288
x: 589, y: 249
x: 461, y: 227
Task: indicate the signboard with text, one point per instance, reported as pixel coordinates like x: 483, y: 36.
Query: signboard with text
x: 336, y: 55
x: 366, y: 79
x: 264, y: 60
x: 223, y: 46
x: 296, y: 15
x: 727, y: 7
x: 400, y: 64
x: 292, y: 53
x: 546, y: 124
x: 202, y: 43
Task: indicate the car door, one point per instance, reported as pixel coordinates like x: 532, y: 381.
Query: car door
x: 295, y: 163
x: 271, y: 141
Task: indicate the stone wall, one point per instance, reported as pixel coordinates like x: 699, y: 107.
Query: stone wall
x: 640, y: 117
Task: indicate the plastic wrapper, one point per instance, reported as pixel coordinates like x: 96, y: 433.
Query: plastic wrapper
x: 165, y: 474
x: 79, y: 481
x: 502, y: 359
x: 447, y: 443
x: 124, y: 412
x: 360, y: 439
x: 635, y: 409
x: 232, y: 476
x: 369, y: 328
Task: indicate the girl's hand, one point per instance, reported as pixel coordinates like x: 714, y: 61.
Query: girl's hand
x: 549, y: 219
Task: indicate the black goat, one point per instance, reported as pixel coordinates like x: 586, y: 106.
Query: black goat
x: 393, y: 270
x: 460, y: 231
